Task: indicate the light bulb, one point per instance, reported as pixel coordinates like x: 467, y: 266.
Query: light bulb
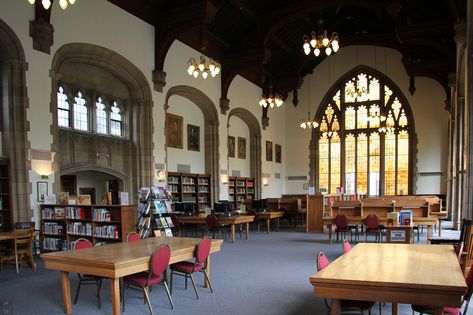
x: 335, y: 45
x: 46, y: 4
x: 306, y: 46
x: 316, y: 52
x: 279, y: 102
x: 271, y: 105
x: 213, y: 74
x: 63, y: 4
x: 328, y: 51
x: 270, y: 100
x: 303, y: 125
x: 195, y: 73
x: 72, y: 1
x: 201, y: 66
x: 212, y: 67
x: 307, y: 51
x: 190, y: 70
x: 217, y: 69
x: 204, y: 74
x: 31, y: 1
x: 325, y: 41
x: 313, y: 42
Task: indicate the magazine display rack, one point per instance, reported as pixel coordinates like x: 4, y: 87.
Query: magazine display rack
x: 154, y: 208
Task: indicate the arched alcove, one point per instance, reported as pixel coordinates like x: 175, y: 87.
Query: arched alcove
x: 14, y: 125
x: 130, y: 157
x: 209, y: 110
x: 255, y: 144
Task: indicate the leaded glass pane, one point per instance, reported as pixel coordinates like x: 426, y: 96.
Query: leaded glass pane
x: 362, y: 85
x: 390, y: 164
x: 116, y: 120
x: 350, y: 118
x: 81, y: 113
x: 63, y: 109
x: 374, y: 118
x: 323, y: 163
x: 336, y: 99
x: 101, y: 114
x: 403, y: 163
x: 374, y: 89
x: 362, y: 164
x: 396, y: 106
x: 350, y: 93
x: 374, y: 167
x: 387, y: 94
x: 362, y: 117
x: 350, y: 162
x: 334, y: 164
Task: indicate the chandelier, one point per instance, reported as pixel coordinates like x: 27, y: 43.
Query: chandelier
x: 320, y: 41
x: 309, y: 123
x: 271, y: 99
x: 47, y: 3
x: 203, y: 68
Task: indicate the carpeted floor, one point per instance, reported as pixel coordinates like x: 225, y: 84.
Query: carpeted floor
x: 268, y: 274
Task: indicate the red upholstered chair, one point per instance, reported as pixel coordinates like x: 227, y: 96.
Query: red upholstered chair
x: 322, y: 262
x: 133, y: 236
x: 158, y: 263
x: 213, y: 226
x: 346, y: 246
x: 372, y: 227
x: 187, y: 268
x: 450, y: 310
x: 83, y: 243
x: 177, y: 228
x: 341, y: 222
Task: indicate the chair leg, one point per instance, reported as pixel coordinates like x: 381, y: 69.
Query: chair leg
x: 169, y: 294
x: 171, y: 281
x: 208, y: 280
x: 77, y: 291
x: 195, y: 288
x: 145, y: 291
x: 123, y: 295
x: 99, y: 285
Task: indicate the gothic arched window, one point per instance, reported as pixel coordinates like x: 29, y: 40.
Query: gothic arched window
x: 364, y: 137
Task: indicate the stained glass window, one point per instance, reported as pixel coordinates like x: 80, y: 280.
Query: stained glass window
x: 375, y: 159
x: 116, y: 120
x: 101, y: 115
x: 63, y: 109
x: 81, y: 113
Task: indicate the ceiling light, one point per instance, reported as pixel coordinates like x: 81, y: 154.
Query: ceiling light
x: 47, y: 3
x: 309, y: 123
x: 271, y: 99
x: 204, y: 67
x: 318, y: 42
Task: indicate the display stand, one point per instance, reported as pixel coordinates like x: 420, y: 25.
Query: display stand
x: 154, y: 210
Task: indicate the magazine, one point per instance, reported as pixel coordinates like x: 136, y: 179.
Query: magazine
x: 160, y: 207
x: 143, y: 193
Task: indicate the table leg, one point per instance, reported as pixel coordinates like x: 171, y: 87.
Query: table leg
x: 268, y: 225
x: 115, y: 291
x: 429, y: 231
x: 335, y: 307
x: 395, y: 309
x: 277, y: 223
x: 247, y: 230
x: 438, y: 311
x: 207, y: 268
x: 330, y: 233
x: 233, y: 233
x: 440, y: 228
x: 66, y: 292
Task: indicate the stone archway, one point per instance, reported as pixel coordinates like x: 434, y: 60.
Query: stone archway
x: 255, y: 144
x: 14, y: 125
x: 133, y: 153
x: 209, y: 110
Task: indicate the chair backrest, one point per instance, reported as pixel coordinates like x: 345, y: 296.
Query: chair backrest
x: 24, y: 225
x: 82, y: 243
x: 458, y: 250
x: 322, y: 261
x: 341, y: 221
x: 159, y: 260
x: 372, y: 221
x: 466, y: 225
x: 346, y: 246
x: 211, y: 221
x: 203, y: 250
x: 469, y: 283
x: 174, y: 220
x: 24, y: 236
x: 133, y: 236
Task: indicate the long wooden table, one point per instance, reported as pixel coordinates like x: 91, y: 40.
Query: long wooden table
x: 5, y: 236
x: 396, y: 273
x: 268, y: 216
x: 117, y: 260
x: 440, y: 215
x: 427, y: 221
x: 232, y: 221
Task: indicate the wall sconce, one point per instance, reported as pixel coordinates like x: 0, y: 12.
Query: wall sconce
x: 265, y: 179
x: 44, y: 176
x: 160, y: 175
x: 224, y: 179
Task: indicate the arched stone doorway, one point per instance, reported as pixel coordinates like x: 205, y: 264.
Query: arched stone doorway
x: 209, y: 110
x: 255, y: 144
x: 14, y: 125
x: 97, y: 67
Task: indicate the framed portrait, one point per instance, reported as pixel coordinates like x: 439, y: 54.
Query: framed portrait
x: 269, y: 151
x: 42, y: 191
x: 193, y: 138
x: 277, y: 152
x: 241, y: 148
x: 231, y: 146
x: 174, y: 131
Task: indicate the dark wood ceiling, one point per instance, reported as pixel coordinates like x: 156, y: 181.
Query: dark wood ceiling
x: 259, y: 39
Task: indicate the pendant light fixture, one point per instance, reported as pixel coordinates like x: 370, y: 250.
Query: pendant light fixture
x: 309, y: 123
x: 47, y: 3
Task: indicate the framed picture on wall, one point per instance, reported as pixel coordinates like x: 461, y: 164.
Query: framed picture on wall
x: 277, y: 150
x: 231, y: 146
x: 241, y: 148
x: 269, y: 151
x: 193, y: 138
x: 174, y: 131
x: 42, y: 191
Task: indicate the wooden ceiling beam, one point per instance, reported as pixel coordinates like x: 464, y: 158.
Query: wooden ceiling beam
x: 244, y: 9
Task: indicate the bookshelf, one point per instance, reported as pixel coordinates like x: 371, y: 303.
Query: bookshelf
x: 6, y: 217
x: 63, y: 224
x: 187, y: 187
x: 239, y: 189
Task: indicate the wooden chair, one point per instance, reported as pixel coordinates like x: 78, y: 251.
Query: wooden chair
x: 22, y: 249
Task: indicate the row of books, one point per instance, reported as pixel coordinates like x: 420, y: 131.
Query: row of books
x: 51, y: 243
x: 53, y: 213
x: 53, y: 228
x: 163, y: 222
x: 76, y: 213
x: 154, y: 193
x: 158, y: 206
x: 107, y: 231
x: 79, y: 228
x: 102, y: 215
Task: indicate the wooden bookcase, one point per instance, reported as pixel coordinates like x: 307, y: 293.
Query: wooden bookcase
x: 6, y: 215
x: 63, y: 224
x: 239, y: 189
x: 187, y: 187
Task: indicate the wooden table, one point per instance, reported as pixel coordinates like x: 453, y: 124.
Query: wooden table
x: 5, y: 236
x: 232, y: 221
x: 117, y: 260
x: 268, y: 216
x: 399, y: 234
x: 440, y: 215
x: 427, y: 221
x: 396, y: 273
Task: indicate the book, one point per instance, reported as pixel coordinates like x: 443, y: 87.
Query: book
x: 169, y: 222
x: 62, y: 198
x: 164, y: 222
x: 143, y: 207
x: 85, y: 200
x: 143, y: 193
x: 168, y: 232
x: 50, y: 199
x: 405, y: 217
x: 160, y: 207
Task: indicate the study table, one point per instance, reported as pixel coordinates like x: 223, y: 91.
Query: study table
x: 395, y: 273
x: 118, y: 260
x: 268, y: 216
x: 232, y: 221
x: 427, y: 221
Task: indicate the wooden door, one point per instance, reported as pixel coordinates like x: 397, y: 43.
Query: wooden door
x: 69, y: 184
x: 112, y: 186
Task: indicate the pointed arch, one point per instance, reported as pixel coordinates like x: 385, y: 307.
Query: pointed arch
x: 366, y: 140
